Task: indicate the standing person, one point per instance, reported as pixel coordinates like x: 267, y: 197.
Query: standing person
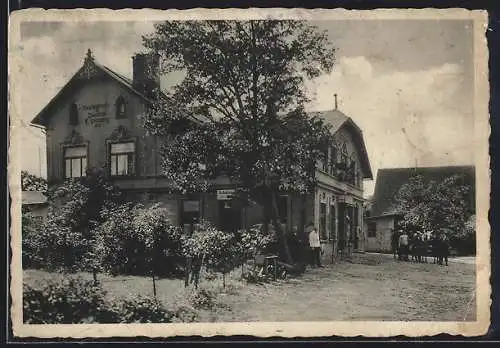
x: 315, y: 246
x: 394, y: 243
x: 403, y: 245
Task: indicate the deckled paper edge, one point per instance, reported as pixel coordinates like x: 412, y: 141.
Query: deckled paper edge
x: 260, y: 329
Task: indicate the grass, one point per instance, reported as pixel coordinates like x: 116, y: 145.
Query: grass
x: 369, y: 287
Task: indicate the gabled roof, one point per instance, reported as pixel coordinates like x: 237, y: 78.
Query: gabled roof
x: 390, y: 180
x: 337, y: 119
x: 89, y: 65
x: 33, y: 197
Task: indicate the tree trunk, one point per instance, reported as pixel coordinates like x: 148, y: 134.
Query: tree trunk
x: 154, y: 284
x: 279, y: 229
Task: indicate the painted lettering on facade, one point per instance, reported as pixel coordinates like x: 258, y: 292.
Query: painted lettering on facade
x: 97, y: 114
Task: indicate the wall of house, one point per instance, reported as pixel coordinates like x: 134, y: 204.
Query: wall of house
x: 104, y: 93
x: 382, y: 241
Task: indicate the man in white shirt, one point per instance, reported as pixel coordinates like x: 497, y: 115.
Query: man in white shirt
x: 315, y: 246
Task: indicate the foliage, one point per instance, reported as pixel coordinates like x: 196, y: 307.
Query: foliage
x: 137, y: 310
x: 75, y: 300
x: 135, y: 238
x: 256, y: 240
x: 435, y: 206
x: 203, y: 298
x: 30, y: 182
x: 218, y: 249
x: 72, y: 300
x: 65, y: 240
x: 244, y: 85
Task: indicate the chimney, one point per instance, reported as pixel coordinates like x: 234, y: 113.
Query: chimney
x: 336, y: 105
x: 146, y: 77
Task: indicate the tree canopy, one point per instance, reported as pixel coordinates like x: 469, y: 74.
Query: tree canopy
x: 434, y: 205
x: 244, y: 82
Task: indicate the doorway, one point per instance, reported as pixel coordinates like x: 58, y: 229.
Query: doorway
x: 229, y: 215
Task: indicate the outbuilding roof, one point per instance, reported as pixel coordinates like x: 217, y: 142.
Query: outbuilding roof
x: 33, y: 197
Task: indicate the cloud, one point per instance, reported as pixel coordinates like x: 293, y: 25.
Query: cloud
x: 407, y: 117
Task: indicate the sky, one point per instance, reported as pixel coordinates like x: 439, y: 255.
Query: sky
x: 408, y: 84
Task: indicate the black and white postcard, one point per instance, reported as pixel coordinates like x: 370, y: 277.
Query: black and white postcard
x: 265, y: 172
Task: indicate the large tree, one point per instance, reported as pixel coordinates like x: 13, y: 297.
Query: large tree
x: 244, y: 81
x: 434, y: 205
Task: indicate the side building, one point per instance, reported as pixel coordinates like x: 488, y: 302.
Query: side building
x: 95, y: 121
x: 383, y: 219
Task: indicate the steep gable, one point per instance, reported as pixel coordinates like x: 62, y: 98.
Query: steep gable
x: 337, y: 120
x: 89, y: 70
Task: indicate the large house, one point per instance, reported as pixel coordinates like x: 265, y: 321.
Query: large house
x: 382, y: 217
x: 94, y: 121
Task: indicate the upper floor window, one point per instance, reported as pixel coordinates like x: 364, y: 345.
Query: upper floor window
x: 120, y: 108
x: 122, y: 158
x: 73, y: 114
x: 75, y: 161
x: 333, y: 159
x: 344, y: 156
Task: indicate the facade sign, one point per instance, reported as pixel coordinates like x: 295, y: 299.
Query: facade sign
x: 225, y: 195
x: 97, y: 114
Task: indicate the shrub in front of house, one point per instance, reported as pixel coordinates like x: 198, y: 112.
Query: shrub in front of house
x: 136, y: 240
x: 73, y: 300
x: 66, y: 301
x: 203, y: 298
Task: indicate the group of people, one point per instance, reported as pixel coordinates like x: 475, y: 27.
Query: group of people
x: 419, y: 245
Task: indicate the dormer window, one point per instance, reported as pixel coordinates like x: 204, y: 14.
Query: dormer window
x: 73, y: 114
x: 120, y: 108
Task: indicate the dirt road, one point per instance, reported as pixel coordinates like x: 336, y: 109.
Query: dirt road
x: 372, y: 287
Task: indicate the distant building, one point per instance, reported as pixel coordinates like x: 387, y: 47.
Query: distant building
x: 94, y: 121
x: 382, y: 218
x: 35, y: 202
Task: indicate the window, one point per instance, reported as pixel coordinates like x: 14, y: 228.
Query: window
x: 73, y: 114
x: 322, y: 221
x: 120, y: 108
x: 333, y: 159
x: 122, y: 159
x: 75, y: 161
x: 333, y: 222
x: 372, y: 229
x: 344, y: 155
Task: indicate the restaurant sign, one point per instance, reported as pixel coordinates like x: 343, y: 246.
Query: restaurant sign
x: 97, y: 114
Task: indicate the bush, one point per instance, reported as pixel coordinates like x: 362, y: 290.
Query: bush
x: 203, y: 298
x: 72, y: 300
x: 219, y: 250
x: 134, y: 239
x: 135, y: 310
